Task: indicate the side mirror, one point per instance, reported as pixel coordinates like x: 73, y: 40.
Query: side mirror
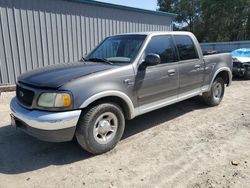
x: 152, y: 59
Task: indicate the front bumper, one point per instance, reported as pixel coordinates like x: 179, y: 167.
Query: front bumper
x: 241, y: 69
x: 47, y: 126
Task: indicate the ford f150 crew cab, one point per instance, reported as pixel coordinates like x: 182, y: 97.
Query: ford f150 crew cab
x: 125, y: 76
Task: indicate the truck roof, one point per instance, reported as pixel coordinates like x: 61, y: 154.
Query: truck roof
x: 158, y: 33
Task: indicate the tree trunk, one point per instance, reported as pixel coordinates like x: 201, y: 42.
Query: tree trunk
x: 248, y: 27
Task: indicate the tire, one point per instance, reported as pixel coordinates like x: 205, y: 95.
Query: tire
x: 242, y: 72
x: 247, y: 73
x: 100, y: 128
x: 216, y: 93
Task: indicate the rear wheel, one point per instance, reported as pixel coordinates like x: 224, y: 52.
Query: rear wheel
x: 216, y: 93
x: 100, y: 128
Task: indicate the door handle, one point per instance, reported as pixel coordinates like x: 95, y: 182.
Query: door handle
x: 171, y: 72
x: 197, y: 66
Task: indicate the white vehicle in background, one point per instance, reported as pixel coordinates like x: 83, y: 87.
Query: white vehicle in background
x: 241, y: 63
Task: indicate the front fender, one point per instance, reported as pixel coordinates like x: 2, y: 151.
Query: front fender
x: 111, y: 93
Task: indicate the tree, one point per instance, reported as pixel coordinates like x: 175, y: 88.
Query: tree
x: 224, y: 20
x: 248, y: 25
x: 211, y: 21
x: 188, y: 11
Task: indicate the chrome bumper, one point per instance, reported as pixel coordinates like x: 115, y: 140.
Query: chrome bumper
x: 45, y: 125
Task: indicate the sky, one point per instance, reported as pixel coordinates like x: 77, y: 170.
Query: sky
x: 143, y: 4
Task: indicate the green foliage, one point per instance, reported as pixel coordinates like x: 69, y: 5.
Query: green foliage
x: 213, y: 20
x: 187, y: 10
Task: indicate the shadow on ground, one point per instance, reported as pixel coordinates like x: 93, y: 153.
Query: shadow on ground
x: 239, y: 79
x: 20, y: 153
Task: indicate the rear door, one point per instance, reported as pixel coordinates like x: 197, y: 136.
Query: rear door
x: 190, y: 66
x: 160, y: 82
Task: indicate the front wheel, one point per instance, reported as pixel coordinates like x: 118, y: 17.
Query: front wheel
x: 247, y: 72
x: 216, y: 93
x: 100, y: 128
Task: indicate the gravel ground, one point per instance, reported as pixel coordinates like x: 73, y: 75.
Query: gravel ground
x: 183, y: 145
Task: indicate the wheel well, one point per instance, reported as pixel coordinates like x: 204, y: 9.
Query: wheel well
x: 117, y: 100
x: 224, y: 75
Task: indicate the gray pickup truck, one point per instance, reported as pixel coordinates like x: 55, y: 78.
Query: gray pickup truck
x: 125, y: 76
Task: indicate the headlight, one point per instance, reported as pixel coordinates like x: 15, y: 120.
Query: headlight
x: 54, y: 100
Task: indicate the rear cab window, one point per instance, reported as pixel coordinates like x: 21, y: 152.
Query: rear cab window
x: 185, y: 47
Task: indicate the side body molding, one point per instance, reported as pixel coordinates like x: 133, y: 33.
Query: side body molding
x: 111, y: 93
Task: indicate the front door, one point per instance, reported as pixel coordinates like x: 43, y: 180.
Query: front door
x: 157, y: 84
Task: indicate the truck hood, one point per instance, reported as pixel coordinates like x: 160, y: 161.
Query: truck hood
x: 243, y: 59
x: 56, y: 75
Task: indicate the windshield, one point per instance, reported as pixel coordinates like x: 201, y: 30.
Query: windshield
x: 241, y: 53
x: 118, y: 49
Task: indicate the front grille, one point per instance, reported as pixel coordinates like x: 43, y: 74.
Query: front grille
x: 24, y: 96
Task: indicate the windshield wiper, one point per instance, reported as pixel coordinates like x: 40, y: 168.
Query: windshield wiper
x: 103, y: 60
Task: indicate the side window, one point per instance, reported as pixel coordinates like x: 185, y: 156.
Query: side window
x: 185, y: 47
x: 163, y: 46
